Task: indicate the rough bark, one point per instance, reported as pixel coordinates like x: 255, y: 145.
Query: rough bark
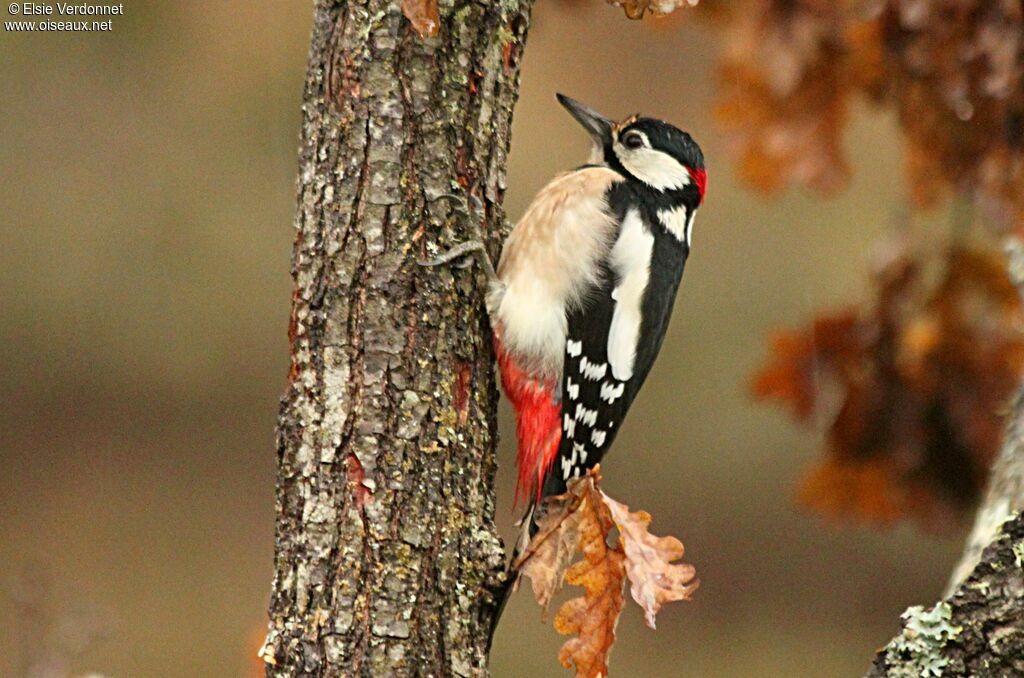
x: 386, y: 553
x: 977, y: 631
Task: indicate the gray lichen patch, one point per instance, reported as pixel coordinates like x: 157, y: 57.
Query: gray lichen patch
x: 977, y: 631
x: 917, y: 652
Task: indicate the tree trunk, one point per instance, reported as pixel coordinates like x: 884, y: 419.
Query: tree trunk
x: 386, y: 553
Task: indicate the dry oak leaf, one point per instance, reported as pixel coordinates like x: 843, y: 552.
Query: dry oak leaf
x: 654, y: 579
x: 423, y: 15
x: 635, y: 9
x: 593, y: 616
x: 552, y: 549
x: 581, y: 520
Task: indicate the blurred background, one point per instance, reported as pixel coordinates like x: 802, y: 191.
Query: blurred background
x: 146, y: 194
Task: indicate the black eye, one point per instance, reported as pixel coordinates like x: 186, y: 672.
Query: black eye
x: 633, y: 140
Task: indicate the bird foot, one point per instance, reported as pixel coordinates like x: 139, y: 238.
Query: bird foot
x: 462, y: 205
x: 464, y: 253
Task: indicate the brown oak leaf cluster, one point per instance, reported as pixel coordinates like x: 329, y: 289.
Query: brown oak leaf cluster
x: 635, y: 9
x: 910, y: 392
x: 785, y: 92
x: 581, y: 521
x: 950, y: 68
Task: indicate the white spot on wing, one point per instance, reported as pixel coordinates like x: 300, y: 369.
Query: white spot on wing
x: 610, y: 392
x: 573, y: 389
x: 588, y: 417
x: 580, y: 450
x: 566, y: 468
x: 631, y: 261
x: 569, y: 426
x: 592, y: 371
x: 597, y: 437
x: 573, y: 348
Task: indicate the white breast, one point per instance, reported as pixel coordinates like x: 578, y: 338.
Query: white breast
x: 549, y: 261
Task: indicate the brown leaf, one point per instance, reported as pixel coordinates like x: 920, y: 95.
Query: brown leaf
x: 635, y: 9
x: 654, y: 579
x: 581, y: 520
x: 784, y: 97
x: 423, y: 15
x: 593, y: 616
x: 551, y: 550
x: 919, y: 379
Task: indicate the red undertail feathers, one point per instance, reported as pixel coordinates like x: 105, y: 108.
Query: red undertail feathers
x: 539, y: 429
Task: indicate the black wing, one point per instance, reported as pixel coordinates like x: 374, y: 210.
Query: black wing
x: 594, y: 402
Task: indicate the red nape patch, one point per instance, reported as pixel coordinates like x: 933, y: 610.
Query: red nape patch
x: 539, y: 429
x: 700, y: 178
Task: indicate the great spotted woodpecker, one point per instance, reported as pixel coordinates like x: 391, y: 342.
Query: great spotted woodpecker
x: 584, y: 290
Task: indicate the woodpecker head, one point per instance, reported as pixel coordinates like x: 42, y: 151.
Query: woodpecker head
x: 658, y: 155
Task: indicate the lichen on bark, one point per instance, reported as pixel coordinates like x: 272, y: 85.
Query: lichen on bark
x: 386, y: 556
x: 976, y: 631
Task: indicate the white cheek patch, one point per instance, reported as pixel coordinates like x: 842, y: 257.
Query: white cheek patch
x: 656, y: 169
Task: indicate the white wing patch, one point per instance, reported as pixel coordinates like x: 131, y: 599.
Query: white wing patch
x: 610, y: 392
x: 592, y: 371
x: 573, y: 348
x: 631, y: 260
x: 581, y: 451
x: 597, y: 437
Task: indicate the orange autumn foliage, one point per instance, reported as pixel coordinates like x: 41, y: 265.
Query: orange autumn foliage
x: 581, y: 521
x: 950, y: 69
x: 785, y: 94
x: 909, y: 392
x: 592, y: 617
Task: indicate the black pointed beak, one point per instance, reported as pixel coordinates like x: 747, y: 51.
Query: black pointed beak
x: 598, y: 126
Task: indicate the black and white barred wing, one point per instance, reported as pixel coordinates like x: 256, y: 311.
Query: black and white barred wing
x: 601, y: 372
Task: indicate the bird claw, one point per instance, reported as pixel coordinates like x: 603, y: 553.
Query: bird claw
x: 462, y: 206
x: 464, y: 252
